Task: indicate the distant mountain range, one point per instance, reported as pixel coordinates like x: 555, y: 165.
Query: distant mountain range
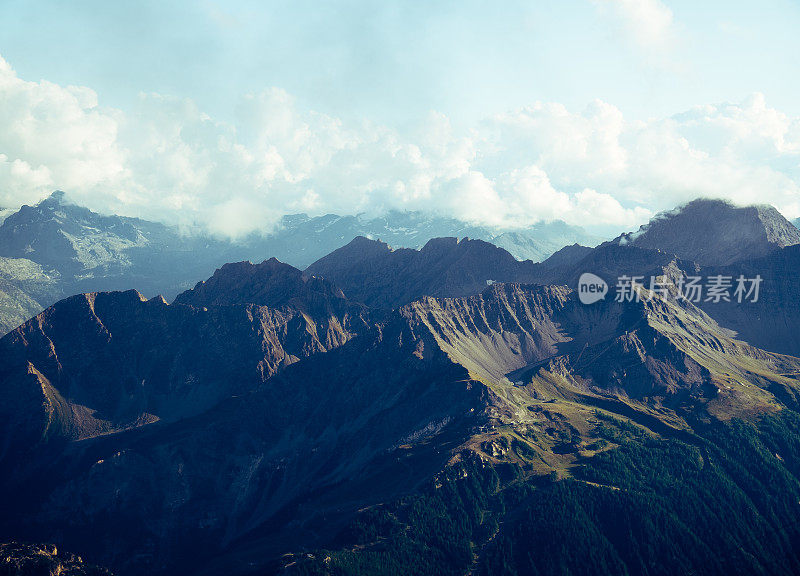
x: 56, y: 249
x: 301, y: 240
x: 446, y: 409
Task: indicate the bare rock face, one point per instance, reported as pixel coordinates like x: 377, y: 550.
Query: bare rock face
x: 505, y: 328
x: 292, y: 459
x: 716, y: 233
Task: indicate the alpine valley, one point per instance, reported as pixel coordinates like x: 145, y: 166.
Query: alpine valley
x: 440, y: 407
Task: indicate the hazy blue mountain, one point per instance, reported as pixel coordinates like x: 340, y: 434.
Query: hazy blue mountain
x: 301, y: 240
x: 56, y: 248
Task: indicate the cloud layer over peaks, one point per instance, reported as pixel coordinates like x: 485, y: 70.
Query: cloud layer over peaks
x: 167, y: 160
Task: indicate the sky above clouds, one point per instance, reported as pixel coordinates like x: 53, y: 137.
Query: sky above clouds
x: 228, y: 115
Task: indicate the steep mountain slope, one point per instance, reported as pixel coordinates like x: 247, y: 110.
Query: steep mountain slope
x: 370, y: 271
x: 503, y: 329
x: 290, y: 462
x: 98, y: 363
x: 769, y: 323
x: 329, y: 316
x: 611, y: 261
x: 715, y: 232
x: 250, y: 466
x: 661, y: 356
x: 271, y: 283
x: 55, y: 249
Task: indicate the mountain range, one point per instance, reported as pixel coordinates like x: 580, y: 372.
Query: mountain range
x: 56, y: 249
x: 447, y: 409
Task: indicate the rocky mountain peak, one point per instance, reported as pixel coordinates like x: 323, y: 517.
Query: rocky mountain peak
x: 56, y: 198
x: 441, y: 244
x: 271, y: 283
x: 715, y: 232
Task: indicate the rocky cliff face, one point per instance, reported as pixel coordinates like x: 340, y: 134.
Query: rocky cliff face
x: 271, y: 283
x: 505, y: 328
x: 291, y: 460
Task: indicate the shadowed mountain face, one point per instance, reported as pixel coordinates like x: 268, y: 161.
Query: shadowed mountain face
x: 770, y: 323
x: 227, y: 428
x: 370, y: 271
x: 96, y: 364
x: 271, y: 283
x: 773, y: 322
x: 323, y: 436
x: 716, y: 233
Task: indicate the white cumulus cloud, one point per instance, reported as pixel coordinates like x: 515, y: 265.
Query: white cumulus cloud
x: 166, y: 159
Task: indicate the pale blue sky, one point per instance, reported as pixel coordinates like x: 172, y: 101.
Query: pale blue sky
x: 393, y: 61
